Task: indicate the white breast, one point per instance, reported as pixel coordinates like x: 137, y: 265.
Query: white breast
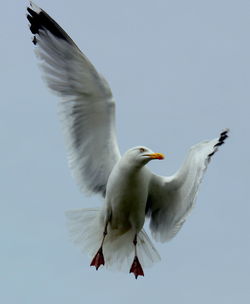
x: 126, y: 198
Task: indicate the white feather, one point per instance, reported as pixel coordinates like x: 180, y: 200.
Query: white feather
x: 87, y: 109
x: 86, y: 231
x: 172, y: 198
x: 129, y: 188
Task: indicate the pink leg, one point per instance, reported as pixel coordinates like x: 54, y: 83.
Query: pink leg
x: 98, y: 259
x: 136, y: 267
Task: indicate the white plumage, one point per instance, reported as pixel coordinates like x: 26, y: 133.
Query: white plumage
x: 130, y: 190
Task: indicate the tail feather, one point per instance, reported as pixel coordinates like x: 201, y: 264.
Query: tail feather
x: 86, y: 230
x: 146, y: 250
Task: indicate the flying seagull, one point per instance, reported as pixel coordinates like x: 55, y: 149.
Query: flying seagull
x: 113, y: 235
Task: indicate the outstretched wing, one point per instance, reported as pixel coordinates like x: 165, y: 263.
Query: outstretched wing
x: 171, y: 198
x: 88, y: 108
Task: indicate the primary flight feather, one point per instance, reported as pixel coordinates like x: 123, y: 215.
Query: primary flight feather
x: 113, y: 235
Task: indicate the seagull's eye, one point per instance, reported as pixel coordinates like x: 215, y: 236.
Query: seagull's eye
x: 142, y: 150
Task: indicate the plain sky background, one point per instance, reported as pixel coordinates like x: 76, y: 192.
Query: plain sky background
x: 180, y: 73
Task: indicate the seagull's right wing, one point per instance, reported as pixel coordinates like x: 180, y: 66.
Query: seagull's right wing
x: 171, y: 198
x: 87, y: 106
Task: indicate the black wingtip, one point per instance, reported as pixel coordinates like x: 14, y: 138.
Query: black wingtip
x: 221, y: 141
x: 222, y: 138
x: 34, y: 40
x: 40, y: 20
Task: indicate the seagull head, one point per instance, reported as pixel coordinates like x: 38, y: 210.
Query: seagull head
x: 140, y: 156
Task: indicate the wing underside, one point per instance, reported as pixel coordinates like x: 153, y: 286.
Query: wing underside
x: 87, y: 106
x: 172, y: 198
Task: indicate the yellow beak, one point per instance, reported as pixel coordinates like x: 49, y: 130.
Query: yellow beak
x: 156, y: 155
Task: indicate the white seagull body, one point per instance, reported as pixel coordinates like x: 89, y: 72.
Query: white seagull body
x: 113, y: 235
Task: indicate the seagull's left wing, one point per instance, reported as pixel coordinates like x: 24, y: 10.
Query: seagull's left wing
x: 87, y: 105
x: 170, y: 199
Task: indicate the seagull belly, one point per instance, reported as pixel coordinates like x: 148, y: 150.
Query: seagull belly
x: 126, y: 198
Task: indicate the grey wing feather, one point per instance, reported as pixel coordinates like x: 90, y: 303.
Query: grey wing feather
x: 87, y: 105
x: 172, y: 198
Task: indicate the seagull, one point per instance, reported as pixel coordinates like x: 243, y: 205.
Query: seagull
x: 112, y: 235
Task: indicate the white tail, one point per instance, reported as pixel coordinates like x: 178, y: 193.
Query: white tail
x: 86, y: 228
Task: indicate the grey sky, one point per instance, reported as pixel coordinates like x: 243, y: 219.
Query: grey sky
x: 180, y: 72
